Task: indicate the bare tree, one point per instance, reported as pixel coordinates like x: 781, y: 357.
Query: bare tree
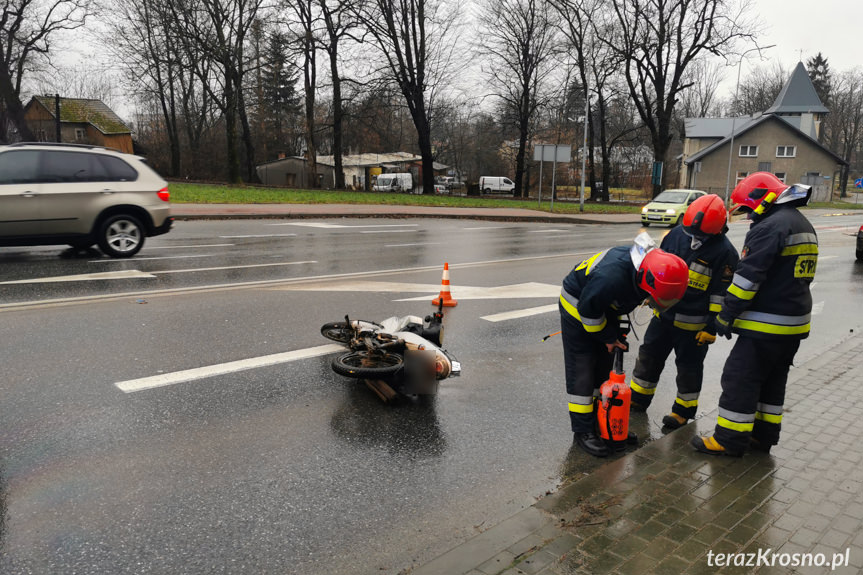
x: 339, y: 21
x: 520, y: 40
x: 658, y: 41
x: 414, y: 39
x: 844, y: 126
x: 93, y: 82
x: 219, y: 30
x: 598, y: 66
x: 142, y: 38
x: 307, y: 43
x: 703, y: 78
x: 27, y: 28
x: 758, y: 91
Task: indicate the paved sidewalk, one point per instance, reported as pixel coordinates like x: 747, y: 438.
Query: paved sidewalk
x: 668, y: 509
x: 205, y: 211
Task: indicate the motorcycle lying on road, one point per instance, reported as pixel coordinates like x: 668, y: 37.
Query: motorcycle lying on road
x: 400, y: 356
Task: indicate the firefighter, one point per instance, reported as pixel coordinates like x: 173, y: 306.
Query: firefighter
x: 768, y: 306
x: 594, y: 296
x: 689, y: 328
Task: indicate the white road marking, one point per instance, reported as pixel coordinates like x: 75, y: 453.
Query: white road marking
x: 386, y: 231
x: 545, y: 231
x: 118, y: 275
x: 331, y: 226
x: 817, y: 308
x: 137, y: 274
x: 233, y: 267
x: 270, y: 283
x: 487, y: 228
x: 163, y: 379
x: 515, y: 314
x: 822, y: 258
x: 411, y: 245
x: 524, y: 290
x: 154, y: 258
x: 188, y: 246
x: 258, y: 236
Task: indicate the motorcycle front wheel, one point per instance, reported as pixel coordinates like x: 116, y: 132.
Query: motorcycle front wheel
x: 363, y: 364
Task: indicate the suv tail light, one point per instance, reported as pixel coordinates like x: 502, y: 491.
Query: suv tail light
x: 164, y: 194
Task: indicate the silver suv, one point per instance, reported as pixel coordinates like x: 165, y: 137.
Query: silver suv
x: 80, y: 195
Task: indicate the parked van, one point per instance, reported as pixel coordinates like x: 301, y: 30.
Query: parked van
x: 398, y: 182
x: 491, y: 184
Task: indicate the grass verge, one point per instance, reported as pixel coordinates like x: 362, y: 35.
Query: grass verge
x: 185, y: 193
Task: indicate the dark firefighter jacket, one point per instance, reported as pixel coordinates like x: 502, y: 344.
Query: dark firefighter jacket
x: 711, y: 268
x: 769, y: 295
x: 600, y: 289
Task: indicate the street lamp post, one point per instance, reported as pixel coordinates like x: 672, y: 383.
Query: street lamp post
x: 734, y: 118
x: 584, y: 146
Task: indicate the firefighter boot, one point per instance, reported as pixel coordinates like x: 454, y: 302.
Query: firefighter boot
x: 674, y: 421
x: 711, y: 446
x: 757, y: 445
x: 591, y: 443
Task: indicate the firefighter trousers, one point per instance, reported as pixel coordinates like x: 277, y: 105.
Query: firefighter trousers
x: 660, y: 338
x: 753, y: 391
x: 587, y: 364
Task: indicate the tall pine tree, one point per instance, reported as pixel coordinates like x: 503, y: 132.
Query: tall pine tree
x: 819, y: 73
x: 280, y: 103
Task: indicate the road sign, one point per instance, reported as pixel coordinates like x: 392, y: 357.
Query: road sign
x: 656, y: 178
x: 552, y: 153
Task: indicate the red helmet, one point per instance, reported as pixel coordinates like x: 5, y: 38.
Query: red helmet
x: 757, y: 191
x: 706, y: 216
x: 664, y: 277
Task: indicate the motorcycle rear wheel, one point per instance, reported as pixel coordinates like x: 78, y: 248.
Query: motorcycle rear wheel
x: 340, y: 331
x: 364, y: 364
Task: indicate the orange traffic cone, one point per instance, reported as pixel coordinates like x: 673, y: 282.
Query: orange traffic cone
x: 445, y: 298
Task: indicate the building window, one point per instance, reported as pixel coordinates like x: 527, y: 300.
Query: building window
x: 781, y: 176
x: 786, y: 151
x: 79, y: 134
x: 741, y: 175
x: 43, y: 136
x: 748, y: 151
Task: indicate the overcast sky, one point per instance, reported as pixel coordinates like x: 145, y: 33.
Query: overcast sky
x: 831, y: 27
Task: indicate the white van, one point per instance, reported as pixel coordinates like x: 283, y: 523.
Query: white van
x: 490, y: 184
x: 398, y: 182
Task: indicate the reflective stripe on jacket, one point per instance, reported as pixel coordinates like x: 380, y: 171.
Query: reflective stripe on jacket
x: 769, y: 293
x: 600, y: 289
x: 711, y: 267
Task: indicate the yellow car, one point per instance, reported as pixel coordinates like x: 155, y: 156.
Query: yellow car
x: 669, y: 207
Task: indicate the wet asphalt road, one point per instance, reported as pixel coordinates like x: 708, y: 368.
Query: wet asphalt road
x: 291, y: 468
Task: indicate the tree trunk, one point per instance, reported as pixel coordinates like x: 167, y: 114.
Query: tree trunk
x: 230, y: 111
x: 337, y: 120
x: 310, y: 84
x: 425, y: 145
x: 13, y: 104
x: 523, y: 129
x: 249, y: 145
x: 604, y: 151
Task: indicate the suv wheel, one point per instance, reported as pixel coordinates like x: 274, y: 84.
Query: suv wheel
x: 121, y: 236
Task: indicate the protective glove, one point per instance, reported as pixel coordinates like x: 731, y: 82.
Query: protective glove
x: 723, y: 328
x: 703, y: 337
x: 621, y: 343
